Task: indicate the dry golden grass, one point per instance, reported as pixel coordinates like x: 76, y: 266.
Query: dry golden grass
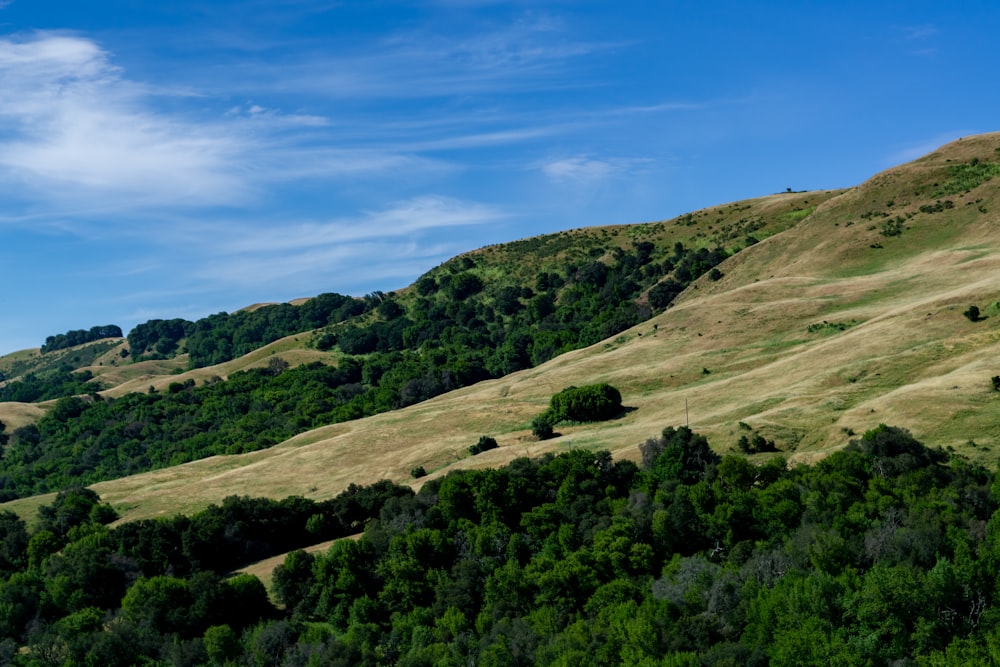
x: 16, y: 415
x: 906, y: 357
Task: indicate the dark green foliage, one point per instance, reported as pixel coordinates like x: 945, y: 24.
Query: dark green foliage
x: 426, y: 286
x: 590, y: 403
x: 972, y: 313
x: 893, y: 227
x: 72, y: 507
x: 83, y: 441
x: 221, y: 337
x: 13, y: 543
x: 662, y: 294
x: 158, y: 337
x: 755, y: 443
x: 995, y: 380
x: 485, y: 444
x: 938, y: 206
x: 58, y: 383
x: 895, y: 451
x: 79, y: 337
x: 680, y: 454
x: 462, y: 285
x: 418, y: 472
x: 542, y: 426
x: 881, y: 554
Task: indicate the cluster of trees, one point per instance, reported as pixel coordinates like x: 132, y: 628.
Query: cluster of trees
x: 590, y: 403
x: 884, y: 553
x: 79, y: 337
x: 223, y: 336
x: 485, y: 444
x: 63, y: 381
x: 511, y: 326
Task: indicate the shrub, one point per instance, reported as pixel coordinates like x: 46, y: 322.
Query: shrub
x: 590, y: 403
x: 973, y: 314
x: 418, y: 472
x: 541, y: 426
x: 485, y: 444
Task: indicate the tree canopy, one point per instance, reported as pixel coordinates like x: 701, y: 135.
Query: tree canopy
x: 884, y: 553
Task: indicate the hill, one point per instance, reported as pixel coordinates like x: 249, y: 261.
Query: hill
x: 847, y: 312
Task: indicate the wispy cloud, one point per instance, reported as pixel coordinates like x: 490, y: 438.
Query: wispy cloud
x: 534, y: 53
x: 402, y: 219
x: 76, y: 126
x: 585, y: 170
x: 402, y: 239
x: 78, y: 131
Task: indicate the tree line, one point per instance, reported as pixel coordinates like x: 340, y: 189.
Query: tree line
x: 79, y: 337
x: 224, y: 336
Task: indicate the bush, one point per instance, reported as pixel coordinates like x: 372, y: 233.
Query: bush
x: 541, y: 426
x: 973, y: 314
x: 418, y: 472
x: 590, y: 403
x: 485, y: 444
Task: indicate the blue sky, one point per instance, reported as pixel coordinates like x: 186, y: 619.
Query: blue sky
x: 179, y: 159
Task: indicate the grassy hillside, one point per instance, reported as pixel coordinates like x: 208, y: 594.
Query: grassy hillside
x: 846, y: 313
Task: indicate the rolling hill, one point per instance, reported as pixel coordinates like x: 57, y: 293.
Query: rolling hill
x: 846, y: 312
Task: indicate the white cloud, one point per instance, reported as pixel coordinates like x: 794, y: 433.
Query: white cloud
x: 76, y: 127
x: 403, y: 219
x: 585, y: 170
x: 77, y: 132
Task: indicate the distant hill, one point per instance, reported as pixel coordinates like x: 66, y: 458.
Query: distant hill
x: 836, y: 310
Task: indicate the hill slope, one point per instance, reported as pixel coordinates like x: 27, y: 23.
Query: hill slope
x: 849, y: 316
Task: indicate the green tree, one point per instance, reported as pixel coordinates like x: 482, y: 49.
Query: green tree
x: 596, y: 402
x: 292, y: 579
x: 13, y: 543
x: 222, y: 644
x: 70, y: 508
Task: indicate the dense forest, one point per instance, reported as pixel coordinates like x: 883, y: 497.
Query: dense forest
x: 459, y: 330
x: 884, y: 553
x: 61, y: 382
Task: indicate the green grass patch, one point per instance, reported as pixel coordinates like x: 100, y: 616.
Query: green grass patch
x: 967, y: 176
x: 799, y: 214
